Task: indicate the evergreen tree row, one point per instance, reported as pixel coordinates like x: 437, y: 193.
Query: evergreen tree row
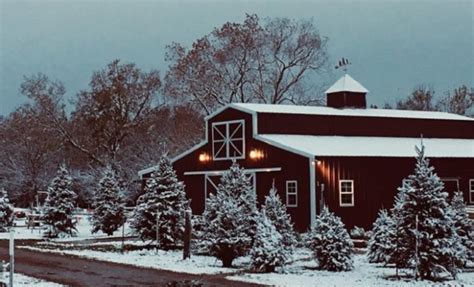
x: 424, y: 231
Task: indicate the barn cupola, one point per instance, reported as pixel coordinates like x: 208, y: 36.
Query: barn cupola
x: 346, y: 93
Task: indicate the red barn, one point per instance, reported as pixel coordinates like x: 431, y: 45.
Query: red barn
x: 345, y: 155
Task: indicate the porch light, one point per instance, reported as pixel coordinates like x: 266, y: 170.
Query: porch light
x: 204, y: 157
x: 256, y: 154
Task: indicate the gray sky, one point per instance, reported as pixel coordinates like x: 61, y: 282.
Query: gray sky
x: 393, y: 45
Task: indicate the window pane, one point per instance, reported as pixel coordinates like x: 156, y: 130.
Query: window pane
x: 291, y: 199
x: 346, y: 199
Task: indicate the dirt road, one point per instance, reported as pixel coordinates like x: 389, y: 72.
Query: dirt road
x: 75, y: 271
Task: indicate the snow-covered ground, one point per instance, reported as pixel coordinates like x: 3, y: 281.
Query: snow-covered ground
x: 83, y: 231
x: 23, y: 280
x: 302, y: 272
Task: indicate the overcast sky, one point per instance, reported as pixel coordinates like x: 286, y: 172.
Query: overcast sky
x: 393, y: 45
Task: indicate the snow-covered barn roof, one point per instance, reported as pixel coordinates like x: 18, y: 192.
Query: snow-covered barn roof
x: 316, y: 110
x: 347, y: 84
x: 370, y: 146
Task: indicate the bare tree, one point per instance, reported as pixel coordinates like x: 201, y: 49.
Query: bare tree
x: 30, y: 154
x: 459, y: 102
x: 248, y: 62
x: 421, y: 99
x: 119, y: 98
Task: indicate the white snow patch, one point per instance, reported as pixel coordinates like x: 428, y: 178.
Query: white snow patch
x: 371, y: 146
x: 346, y: 84
x: 304, y: 273
x: 328, y: 111
x: 23, y: 280
x: 83, y: 231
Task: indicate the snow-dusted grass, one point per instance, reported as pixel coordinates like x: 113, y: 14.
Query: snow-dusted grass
x: 301, y: 272
x: 23, y: 280
x: 83, y: 231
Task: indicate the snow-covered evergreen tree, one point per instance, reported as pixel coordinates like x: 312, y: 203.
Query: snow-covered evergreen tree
x: 230, y: 216
x: 426, y: 237
x: 6, y: 211
x: 268, y: 250
x: 275, y: 210
x: 164, y: 195
x: 108, y: 214
x: 60, y: 205
x: 464, y: 225
x: 331, y: 243
x: 381, y: 244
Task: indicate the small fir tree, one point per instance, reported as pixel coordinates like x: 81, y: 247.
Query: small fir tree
x: 164, y: 200
x: 331, y: 243
x: 426, y: 237
x: 381, y: 245
x: 275, y: 210
x: 60, y: 205
x: 230, y: 216
x: 6, y: 211
x: 108, y: 214
x: 464, y: 225
x: 268, y: 250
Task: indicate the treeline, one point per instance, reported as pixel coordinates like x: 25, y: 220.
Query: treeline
x: 128, y: 118
x: 459, y: 101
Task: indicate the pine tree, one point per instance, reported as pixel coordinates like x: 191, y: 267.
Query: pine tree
x: 381, y: 245
x: 426, y: 238
x: 6, y: 211
x: 60, y: 205
x: 165, y: 199
x: 463, y: 224
x: 108, y: 214
x: 331, y: 243
x: 230, y: 216
x: 268, y: 250
x: 275, y: 210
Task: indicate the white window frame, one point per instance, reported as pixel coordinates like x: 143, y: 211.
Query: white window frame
x: 292, y: 193
x: 341, y: 181
x: 226, y: 142
x: 471, y: 190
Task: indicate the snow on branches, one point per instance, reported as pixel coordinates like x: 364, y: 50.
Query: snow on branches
x: 331, y: 243
x: 108, y: 214
x: 60, y: 205
x: 164, y: 200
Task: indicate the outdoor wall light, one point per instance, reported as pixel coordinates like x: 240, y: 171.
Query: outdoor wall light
x: 204, y: 157
x: 256, y: 154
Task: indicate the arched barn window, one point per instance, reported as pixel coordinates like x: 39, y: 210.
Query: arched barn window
x: 228, y: 140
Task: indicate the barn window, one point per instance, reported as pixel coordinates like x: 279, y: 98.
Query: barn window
x: 291, y: 193
x: 228, y: 140
x: 346, y: 192
x: 471, y: 190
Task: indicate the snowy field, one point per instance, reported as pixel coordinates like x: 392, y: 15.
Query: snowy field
x: 302, y: 272
x: 23, y: 280
x: 83, y: 231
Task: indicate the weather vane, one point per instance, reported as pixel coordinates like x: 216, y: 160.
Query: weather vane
x: 343, y: 64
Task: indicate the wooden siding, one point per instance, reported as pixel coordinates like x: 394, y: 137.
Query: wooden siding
x: 376, y: 181
x: 363, y: 126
